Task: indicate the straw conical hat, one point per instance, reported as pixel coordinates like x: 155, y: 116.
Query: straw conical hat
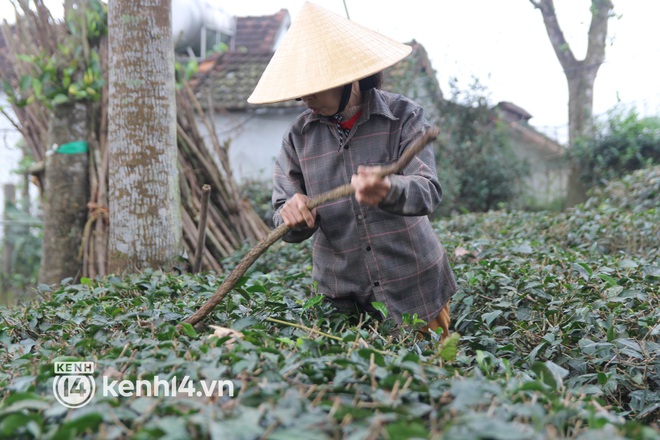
x: 322, y: 50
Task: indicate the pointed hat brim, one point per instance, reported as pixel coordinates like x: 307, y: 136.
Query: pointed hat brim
x: 322, y: 50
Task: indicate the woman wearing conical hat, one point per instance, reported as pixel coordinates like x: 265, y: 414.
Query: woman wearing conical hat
x: 378, y: 245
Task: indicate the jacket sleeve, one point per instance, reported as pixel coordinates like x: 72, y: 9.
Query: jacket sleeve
x: 287, y: 181
x: 416, y: 189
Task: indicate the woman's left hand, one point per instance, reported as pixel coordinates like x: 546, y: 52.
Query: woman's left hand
x: 370, y: 189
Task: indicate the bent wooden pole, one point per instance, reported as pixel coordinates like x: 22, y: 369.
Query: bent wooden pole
x: 277, y: 233
x: 201, y: 230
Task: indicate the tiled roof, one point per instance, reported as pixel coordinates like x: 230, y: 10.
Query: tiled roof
x: 513, y: 112
x: 259, y: 34
x: 230, y: 78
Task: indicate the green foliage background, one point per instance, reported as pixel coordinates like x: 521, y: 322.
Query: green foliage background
x: 477, y: 166
x: 622, y: 143
x: 558, y: 316
x: 73, y: 72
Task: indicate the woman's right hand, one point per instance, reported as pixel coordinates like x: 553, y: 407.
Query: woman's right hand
x: 296, y: 213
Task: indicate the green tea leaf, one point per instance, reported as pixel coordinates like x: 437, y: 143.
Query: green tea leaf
x: 188, y: 330
x: 318, y: 299
x: 449, y: 347
x: 380, y: 307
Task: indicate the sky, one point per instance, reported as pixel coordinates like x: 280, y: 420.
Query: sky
x: 503, y: 43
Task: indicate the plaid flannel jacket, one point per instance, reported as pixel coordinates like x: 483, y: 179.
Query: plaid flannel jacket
x: 388, y: 253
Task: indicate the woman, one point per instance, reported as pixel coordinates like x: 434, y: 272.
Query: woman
x: 378, y: 245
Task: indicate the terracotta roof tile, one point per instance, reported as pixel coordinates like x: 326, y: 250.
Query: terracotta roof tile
x: 259, y: 34
x: 232, y: 79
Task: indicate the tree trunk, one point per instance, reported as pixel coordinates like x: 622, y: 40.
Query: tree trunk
x: 580, y: 75
x: 144, y: 199
x: 66, y: 194
x: 580, y: 116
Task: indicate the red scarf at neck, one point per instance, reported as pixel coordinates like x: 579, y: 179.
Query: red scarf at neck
x: 348, y: 125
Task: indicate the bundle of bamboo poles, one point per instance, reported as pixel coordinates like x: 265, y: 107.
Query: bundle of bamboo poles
x: 232, y: 221
x: 203, y: 160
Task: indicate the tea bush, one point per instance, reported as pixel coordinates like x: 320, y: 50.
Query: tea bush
x: 556, y: 328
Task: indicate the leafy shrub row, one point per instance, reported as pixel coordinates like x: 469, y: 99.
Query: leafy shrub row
x: 559, y: 339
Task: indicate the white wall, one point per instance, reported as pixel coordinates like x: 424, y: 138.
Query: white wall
x: 10, y: 155
x: 9, y: 136
x: 255, y: 141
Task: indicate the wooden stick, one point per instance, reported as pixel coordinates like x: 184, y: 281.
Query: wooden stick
x: 201, y: 229
x: 277, y: 233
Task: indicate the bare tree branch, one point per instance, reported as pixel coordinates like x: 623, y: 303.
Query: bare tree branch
x: 557, y: 39
x: 600, y: 13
